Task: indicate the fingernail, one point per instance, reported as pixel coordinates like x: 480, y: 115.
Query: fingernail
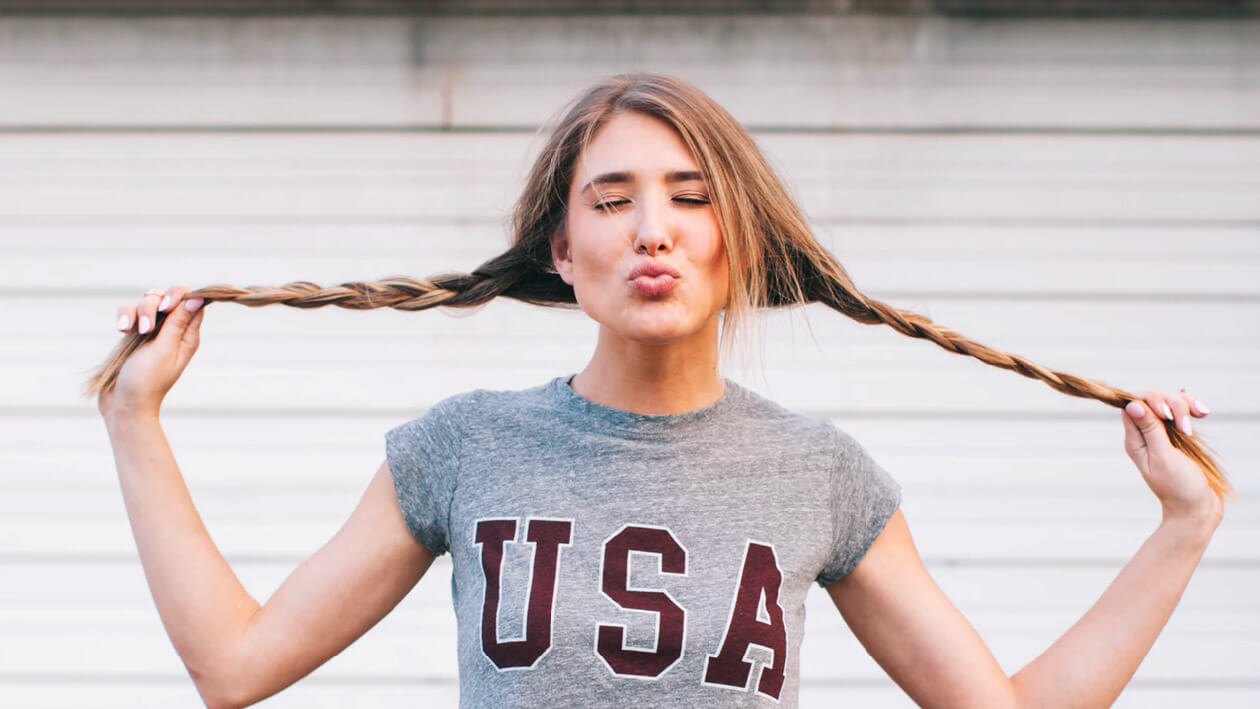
x: 144, y: 324
x: 1167, y: 413
x: 1198, y: 406
x: 166, y: 300
x: 1185, y: 426
x: 193, y: 303
x: 1134, y: 408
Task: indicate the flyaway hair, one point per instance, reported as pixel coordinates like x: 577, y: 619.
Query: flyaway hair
x: 775, y: 261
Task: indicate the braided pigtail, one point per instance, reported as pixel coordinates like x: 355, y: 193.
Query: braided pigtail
x: 512, y: 274
x: 825, y: 281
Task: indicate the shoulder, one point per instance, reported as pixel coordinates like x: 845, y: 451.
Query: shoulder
x: 485, y: 407
x: 821, y: 430
x: 849, y: 450
x: 776, y: 419
x: 445, y: 415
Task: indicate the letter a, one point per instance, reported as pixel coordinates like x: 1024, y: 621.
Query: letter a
x: 760, y: 575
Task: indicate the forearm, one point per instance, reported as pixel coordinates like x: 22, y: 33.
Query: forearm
x: 1092, y: 662
x: 203, y: 606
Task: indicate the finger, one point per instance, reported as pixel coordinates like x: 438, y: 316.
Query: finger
x: 126, y: 316
x: 1196, y: 407
x: 1151, y: 427
x: 1155, y: 398
x: 192, y: 334
x: 1134, y: 443
x: 173, y: 295
x: 176, y: 323
x: 146, y: 309
x: 1181, y: 414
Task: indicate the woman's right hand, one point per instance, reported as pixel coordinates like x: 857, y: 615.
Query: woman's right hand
x: 153, y: 367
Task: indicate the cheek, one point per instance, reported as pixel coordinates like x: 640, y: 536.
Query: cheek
x: 717, y: 252
x: 596, y: 253
x: 720, y: 270
x: 721, y: 283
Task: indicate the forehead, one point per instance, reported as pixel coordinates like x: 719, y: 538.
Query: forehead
x: 635, y: 143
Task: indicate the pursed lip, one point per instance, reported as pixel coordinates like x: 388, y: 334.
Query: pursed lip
x: 652, y: 268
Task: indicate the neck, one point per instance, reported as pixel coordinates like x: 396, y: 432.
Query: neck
x: 671, y: 378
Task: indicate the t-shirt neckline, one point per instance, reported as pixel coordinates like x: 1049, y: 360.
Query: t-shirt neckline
x: 634, y: 424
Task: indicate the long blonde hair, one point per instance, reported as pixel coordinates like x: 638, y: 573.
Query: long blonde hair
x: 774, y: 258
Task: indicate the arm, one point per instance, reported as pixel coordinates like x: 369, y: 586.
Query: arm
x: 924, y: 643
x: 236, y: 650
x: 1097, y: 656
x: 913, y: 631
x: 910, y: 628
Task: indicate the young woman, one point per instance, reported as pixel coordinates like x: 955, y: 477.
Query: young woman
x: 644, y: 531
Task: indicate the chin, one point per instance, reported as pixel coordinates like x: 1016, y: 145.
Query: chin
x: 659, y: 333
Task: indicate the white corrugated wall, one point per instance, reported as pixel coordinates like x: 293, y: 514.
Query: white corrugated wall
x: 1086, y: 194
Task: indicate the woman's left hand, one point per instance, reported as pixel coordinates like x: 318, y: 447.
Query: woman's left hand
x: 1176, y: 480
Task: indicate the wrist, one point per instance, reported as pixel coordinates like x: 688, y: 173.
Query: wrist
x: 118, y: 416
x: 1193, y: 528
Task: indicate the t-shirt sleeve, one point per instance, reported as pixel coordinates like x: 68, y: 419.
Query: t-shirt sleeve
x: 863, y: 497
x: 423, y: 457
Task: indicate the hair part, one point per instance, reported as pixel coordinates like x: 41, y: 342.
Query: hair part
x: 774, y: 259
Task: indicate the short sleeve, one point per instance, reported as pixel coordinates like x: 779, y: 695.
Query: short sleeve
x: 423, y: 459
x: 863, y: 498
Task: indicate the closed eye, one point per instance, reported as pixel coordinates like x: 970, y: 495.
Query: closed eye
x: 618, y: 202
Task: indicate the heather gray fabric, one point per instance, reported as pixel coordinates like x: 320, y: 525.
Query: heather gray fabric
x: 606, y: 558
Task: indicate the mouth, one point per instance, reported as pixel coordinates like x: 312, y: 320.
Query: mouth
x: 655, y: 285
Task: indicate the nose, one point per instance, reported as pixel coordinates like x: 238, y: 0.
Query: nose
x: 653, y: 234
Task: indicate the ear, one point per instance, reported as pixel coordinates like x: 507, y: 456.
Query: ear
x: 560, y: 257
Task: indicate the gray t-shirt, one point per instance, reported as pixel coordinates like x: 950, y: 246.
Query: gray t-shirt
x: 607, y: 558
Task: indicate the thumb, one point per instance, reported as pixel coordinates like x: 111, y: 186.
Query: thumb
x: 192, y: 334
x: 177, y: 319
x: 1147, y: 429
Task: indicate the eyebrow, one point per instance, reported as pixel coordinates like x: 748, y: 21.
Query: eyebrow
x: 622, y: 176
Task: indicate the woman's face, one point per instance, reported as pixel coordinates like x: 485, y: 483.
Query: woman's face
x: 636, y: 198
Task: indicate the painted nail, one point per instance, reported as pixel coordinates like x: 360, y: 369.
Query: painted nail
x: 144, y: 324
x: 1185, y: 426
x: 1135, y: 409
x: 192, y: 304
x: 123, y: 321
x: 165, y: 302
x: 1167, y: 413
x: 1198, y: 406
